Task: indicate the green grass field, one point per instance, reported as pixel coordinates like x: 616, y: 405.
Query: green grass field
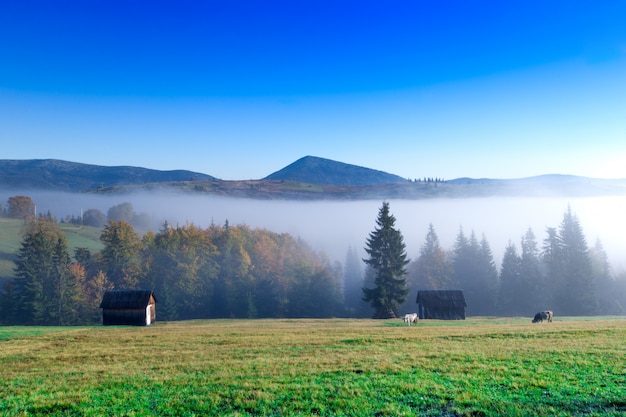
x: 11, y: 239
x: 339, y: 367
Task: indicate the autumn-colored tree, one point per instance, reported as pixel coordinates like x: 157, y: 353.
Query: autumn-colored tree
x: 20, y: 207
x: 181, y: 268
x: 268, y: 257
x: 92, y: 291
x: 233, y: 295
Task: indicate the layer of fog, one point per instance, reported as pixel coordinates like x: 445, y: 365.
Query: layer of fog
x: 333, y: 227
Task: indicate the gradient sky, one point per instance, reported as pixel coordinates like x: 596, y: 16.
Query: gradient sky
x: 239, y: 89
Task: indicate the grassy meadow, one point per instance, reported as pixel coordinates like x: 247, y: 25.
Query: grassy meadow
x: 338, y: 367
x: 11, y: 235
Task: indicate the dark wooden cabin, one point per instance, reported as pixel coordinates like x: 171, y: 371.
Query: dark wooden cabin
x: 441, y: 304
x: 128, y: 307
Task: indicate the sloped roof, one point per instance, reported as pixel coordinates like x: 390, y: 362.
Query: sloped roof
x: 126, y: 299
x: 436, y: 298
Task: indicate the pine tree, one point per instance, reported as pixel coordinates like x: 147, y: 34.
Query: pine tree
x: 533, y: 287
x: 120, y: 257
x: 433, y: 269
x: 488, y: 277
x: 464, y: 255
x: 68, y: 290
x: 607, y: 303
x: 43, y: 290
x: 575, y: 288
x: 552, y: 259
x: 475, y: 273
x: 510, y: 281
x: 388, y: 259
x: 569, y: 266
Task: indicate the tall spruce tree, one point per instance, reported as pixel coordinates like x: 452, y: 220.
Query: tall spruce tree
x: 488, y: 277
x: 510, y: 282
x: 475, y: 273
x: 607, y: 303
x: 533, y: 287
x: 43, y: 290
x: 551, y: 258
x: 576, y: 293
x: 388, y: 260
x: 120, y: 259
x: 433, y: 269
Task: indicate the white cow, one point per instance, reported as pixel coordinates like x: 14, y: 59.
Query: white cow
x: 410, y: 318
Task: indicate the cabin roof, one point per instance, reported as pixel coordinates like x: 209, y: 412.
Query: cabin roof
x: 441, y: 298
x: 126, y: 299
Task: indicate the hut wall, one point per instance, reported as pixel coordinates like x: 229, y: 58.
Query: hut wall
x: 441, y: 304
x: 112, y: 317
x: 128, y: 307
x: 435, y: 313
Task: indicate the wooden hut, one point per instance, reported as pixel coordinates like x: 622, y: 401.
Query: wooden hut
x: 128, y: 307
x: 441, y: 304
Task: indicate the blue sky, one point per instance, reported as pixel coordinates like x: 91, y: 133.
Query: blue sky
x: 240, y: 89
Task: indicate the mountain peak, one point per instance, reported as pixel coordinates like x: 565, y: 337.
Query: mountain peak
x: 316, y: 170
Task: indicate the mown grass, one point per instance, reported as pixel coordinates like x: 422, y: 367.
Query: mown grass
x: 489, y: 367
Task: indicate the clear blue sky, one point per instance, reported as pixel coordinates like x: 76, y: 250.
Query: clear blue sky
x: 238, y: 89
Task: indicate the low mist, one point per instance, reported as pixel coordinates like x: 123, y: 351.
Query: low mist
x: 334, y: 226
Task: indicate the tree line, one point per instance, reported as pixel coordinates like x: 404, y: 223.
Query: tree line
x: 236, y: 271
x: 220, y: 271
x: 560, y: 273
x: 23, y: 207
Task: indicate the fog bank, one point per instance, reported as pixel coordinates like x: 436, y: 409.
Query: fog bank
x: 334, y: 226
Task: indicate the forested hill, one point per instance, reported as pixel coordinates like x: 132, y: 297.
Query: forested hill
x: 57, y: 175
x: 309, y: 178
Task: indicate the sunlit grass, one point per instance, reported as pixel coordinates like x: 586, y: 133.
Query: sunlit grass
x: 482, y: 366
x: 11, y: 239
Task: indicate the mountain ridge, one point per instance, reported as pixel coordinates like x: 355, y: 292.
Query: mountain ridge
x: 322, y: 171
x: 60, y: 175
x: 310, y: 178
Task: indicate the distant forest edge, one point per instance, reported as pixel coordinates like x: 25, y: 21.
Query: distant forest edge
x: 309, y: 178
x: 235, y: 271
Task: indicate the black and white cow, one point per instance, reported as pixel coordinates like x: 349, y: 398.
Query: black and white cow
x: 543, y: 315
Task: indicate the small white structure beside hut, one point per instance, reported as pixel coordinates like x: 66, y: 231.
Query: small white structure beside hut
x: 128, y: 307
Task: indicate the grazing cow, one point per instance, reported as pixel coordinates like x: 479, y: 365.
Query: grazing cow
x: 410, y: 318
x: 543, y: 315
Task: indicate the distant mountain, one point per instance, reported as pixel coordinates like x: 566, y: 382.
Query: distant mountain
x: 309, y: 178
x: 544, y: 185
x: 53, y: 174
x: 314, y: 170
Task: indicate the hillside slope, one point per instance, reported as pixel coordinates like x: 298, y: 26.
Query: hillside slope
x: 57, y: 175
x: 315, y: 170
x: 11, y: 235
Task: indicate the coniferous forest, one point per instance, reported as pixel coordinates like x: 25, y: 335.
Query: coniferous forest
x: 234, y: 271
